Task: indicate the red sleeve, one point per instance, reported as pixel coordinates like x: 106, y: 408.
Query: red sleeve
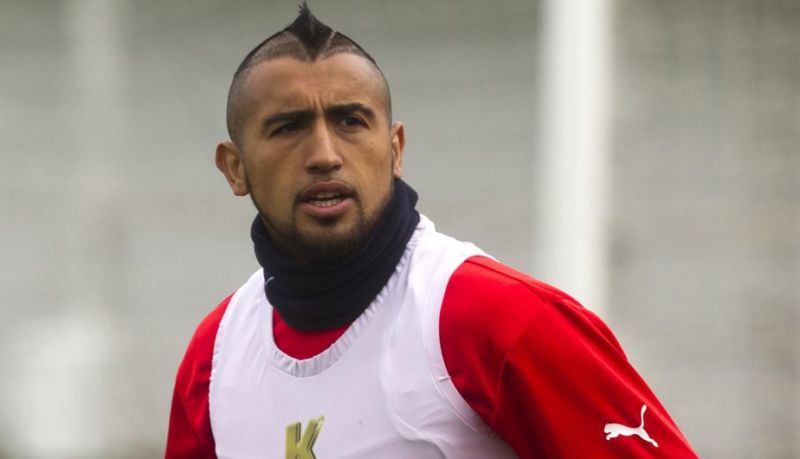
x: 545, y: 373
x: 189, y: 433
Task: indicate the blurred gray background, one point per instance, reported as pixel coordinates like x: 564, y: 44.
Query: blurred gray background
x: 641, y: 154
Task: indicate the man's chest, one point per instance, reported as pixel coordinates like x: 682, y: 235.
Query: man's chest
x: 351, y: 400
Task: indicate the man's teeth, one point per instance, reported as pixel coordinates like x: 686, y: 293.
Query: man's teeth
x: 326, y: 199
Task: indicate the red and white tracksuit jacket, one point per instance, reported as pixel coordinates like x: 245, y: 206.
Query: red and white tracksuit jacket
x: 458, y: 356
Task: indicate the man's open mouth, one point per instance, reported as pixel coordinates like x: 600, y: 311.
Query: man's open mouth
x: 330, y: 199
x: 326, y: 199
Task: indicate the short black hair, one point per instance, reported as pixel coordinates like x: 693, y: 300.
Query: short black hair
x: 306, y: 39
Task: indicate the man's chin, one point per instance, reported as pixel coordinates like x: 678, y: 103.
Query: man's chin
x: 329, y: 241
x: 327, y: 250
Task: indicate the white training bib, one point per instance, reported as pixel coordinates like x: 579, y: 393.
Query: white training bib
x: 380, y: 391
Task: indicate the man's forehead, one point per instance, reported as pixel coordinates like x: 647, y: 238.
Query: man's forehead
x: 284, y: 79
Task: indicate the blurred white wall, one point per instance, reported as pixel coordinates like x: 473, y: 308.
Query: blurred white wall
x: 118, y: 234
x: 705, y: 235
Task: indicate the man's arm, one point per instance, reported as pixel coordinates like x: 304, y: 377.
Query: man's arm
x: 546, y: 374
x: 189, y: 433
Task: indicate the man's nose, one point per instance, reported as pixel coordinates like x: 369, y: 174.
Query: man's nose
x: 322, y: 155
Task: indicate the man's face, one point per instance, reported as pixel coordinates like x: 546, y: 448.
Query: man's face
x: 317, y: 153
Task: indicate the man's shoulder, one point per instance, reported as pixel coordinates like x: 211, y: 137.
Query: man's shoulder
x: 208, y: 326
x: 491, y: 303
x: 202, y: 343
x: 485, y: 279
x: 211, y: 321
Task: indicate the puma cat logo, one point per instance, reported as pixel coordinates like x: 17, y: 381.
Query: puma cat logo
x: 615, y: 430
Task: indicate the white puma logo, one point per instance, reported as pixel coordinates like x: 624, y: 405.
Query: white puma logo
x: 615, y: 430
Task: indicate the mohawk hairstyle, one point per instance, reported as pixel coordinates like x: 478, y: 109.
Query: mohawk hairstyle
x: 306, y: 39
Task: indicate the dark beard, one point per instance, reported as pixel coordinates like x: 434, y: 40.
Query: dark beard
x: 322, y: 250
x: 318, y: 250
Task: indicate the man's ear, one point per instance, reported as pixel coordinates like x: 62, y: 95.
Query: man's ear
x: 398, y: 144
x: 229, y: 162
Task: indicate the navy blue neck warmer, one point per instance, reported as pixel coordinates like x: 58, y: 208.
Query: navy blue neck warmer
x: 325, y: 296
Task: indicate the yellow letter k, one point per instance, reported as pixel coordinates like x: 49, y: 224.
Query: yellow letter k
x: 301, y: 448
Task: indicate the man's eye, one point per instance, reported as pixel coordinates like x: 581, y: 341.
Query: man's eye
x: 287, y: 128
x: 352, y: 121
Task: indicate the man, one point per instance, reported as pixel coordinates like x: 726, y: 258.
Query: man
x: 367, y: 333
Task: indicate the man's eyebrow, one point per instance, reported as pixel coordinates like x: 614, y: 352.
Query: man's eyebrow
x: 292, y: 115
x: 340, y: 110
x: 335, y: 111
